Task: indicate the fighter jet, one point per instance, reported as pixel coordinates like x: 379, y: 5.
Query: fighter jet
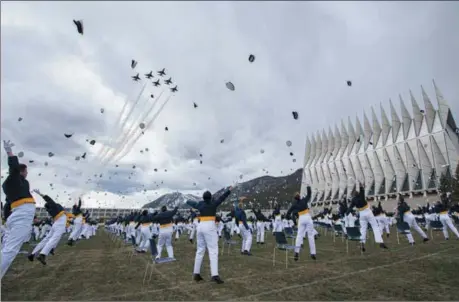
x: 149, y: 75
x: 162, y: 72
x: 156, y: 83
x: 168, y: 82
x: 136, y: 78
x: 174, y: 89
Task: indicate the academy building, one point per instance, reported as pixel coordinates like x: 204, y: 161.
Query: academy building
x: 406, y: 154
x: 96, y: 213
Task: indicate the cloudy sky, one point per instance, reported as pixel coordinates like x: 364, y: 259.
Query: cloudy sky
x: 58, y: 81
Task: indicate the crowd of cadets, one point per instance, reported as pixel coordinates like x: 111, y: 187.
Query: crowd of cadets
x: 48, y: 229
x: 352, y: 213
x: 201, y: 223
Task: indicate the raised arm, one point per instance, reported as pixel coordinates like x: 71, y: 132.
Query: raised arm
x: 174, y: 211
x: 351, y: 206
x: 362, y: 193
x: 192, y: 204
x: 13, y: 165
x: 309, y: 193
x: 48, y: 199
x: 223, y: 197
x: 290, y: 210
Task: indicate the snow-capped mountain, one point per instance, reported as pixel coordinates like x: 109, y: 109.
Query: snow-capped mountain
x: 261, y: 192
x: 172, y: 200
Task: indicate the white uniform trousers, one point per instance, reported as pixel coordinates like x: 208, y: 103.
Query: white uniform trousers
x: 246, y: 238
x: 260, y: 231
x: 207, y: 238
x: 165, y: 239
x: 448, y: 223
x: 52, y: 239
x: 305, y: 227
x: 367, y: 217
x: 18, y: 227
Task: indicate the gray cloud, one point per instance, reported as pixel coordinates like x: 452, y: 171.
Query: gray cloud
x: 305, y: 51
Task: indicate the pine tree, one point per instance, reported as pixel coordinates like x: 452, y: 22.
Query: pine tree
x: 445, y: 183
x: 455, y: 185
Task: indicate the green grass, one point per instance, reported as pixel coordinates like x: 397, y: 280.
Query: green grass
x: 101, y: 269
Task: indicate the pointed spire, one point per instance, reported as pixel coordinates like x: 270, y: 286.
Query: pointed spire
x: 318, y: 143
x: 313, y: 151
x: 344, y: 135
x: 358, y: 127
x: 376, y: 127
x: 429, y: 110
x: 324, y: 143
x: 337, y: 139
x: 331, y: 140
x: 443, y: 107
x: 351, y: 131
x: 385, y: 125
x: 307, y: 152
x: 418, y: 116
x: 406, y: 118
x: 396, y: 124
x: 368, y: 131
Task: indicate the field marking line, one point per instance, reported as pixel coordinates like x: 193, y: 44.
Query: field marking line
x: 188, y: 284
x: 275, y: 291
x: 329, y: 261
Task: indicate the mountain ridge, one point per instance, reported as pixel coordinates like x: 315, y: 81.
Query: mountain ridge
x: 260, y: 192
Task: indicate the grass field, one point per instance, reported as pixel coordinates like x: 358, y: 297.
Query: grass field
x: 100, y: 269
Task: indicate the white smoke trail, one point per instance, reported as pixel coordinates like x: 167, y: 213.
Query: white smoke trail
x: 116, y: 131
x: 136, y: 127
x: 96, y: 164
x: 123, y: 125
x: 150, y: 122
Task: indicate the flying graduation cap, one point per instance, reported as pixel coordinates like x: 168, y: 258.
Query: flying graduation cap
x: 142, y: 125
x: 92, y: 142
x: 79, y: 26
x: 20, y: 154
x: 195, y: 105
x: 19, y: 119
x: 251, y: 58
x: 349, y: 83
x: 295, y: 114
x: 133, y: 64
x: 230, y: 86
x: 167, y: 129
x: 68, y: 135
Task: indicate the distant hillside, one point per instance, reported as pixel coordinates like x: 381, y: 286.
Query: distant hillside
x: 260, y: 192
x: 172, y: 200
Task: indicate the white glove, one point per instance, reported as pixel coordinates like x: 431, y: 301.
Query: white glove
x: 8, y: 146
x: 36, y: 191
